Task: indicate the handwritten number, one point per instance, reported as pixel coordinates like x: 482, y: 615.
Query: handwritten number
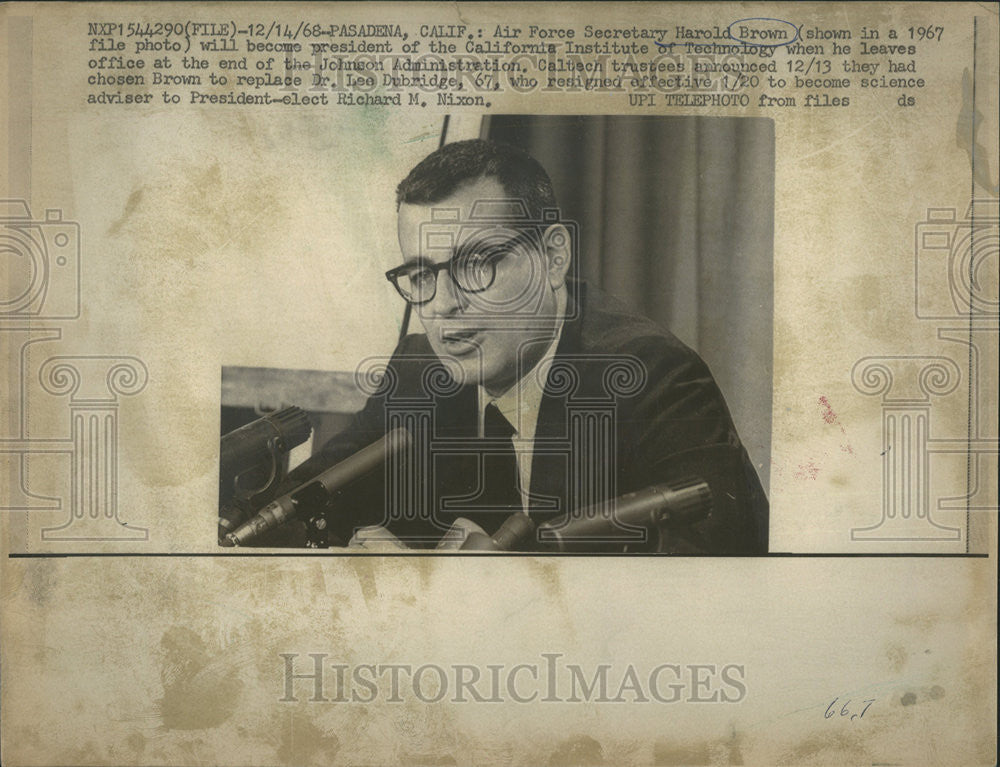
x: 831, y: 710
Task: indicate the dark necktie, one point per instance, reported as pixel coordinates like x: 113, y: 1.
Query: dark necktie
x: 501, y: 496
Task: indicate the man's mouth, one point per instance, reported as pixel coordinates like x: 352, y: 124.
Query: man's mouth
x: 460, y: 341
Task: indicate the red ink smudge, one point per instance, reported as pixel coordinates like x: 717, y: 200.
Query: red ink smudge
x: 807, y: 471
x: 828, y: 415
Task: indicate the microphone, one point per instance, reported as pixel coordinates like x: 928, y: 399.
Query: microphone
x: 252, y: 462
x: 514, y: 530
x: 260, y: 443
x: 663, y: 505
x: 322, y: 487
x: 705, y: 498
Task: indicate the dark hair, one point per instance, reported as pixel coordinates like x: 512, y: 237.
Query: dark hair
x: 440, y: 174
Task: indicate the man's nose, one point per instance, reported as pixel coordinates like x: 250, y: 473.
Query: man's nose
x: 448, y: 298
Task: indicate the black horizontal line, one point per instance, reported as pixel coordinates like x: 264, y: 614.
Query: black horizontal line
x: 333, y: 553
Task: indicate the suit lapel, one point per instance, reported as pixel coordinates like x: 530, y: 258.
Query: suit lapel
x: 550, y: 460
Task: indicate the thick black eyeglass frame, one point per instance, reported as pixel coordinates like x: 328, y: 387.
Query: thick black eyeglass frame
x: 452, y: 265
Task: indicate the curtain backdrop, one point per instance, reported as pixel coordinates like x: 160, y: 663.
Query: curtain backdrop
x: 675, y: 216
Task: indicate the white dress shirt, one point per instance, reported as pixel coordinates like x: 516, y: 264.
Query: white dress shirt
x: 520, y: 405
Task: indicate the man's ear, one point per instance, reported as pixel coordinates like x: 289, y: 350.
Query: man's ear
x: 558, y: 254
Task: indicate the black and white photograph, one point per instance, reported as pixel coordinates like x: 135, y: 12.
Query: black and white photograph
x: 561, y: 384
x: 536, y: 400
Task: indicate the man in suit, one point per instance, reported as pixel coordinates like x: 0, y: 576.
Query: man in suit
x: 530, y: 392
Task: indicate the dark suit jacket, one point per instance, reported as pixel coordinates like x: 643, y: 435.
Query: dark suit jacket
x: 611, y: 367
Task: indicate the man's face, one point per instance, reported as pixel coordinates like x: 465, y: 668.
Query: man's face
x: 501, y: 324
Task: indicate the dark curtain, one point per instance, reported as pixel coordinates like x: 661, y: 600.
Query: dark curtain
x: 675, y: 216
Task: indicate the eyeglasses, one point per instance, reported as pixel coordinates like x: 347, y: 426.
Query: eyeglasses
x: 472, y: 270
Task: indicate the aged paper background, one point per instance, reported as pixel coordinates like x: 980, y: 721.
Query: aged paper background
x: 213, y: 237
